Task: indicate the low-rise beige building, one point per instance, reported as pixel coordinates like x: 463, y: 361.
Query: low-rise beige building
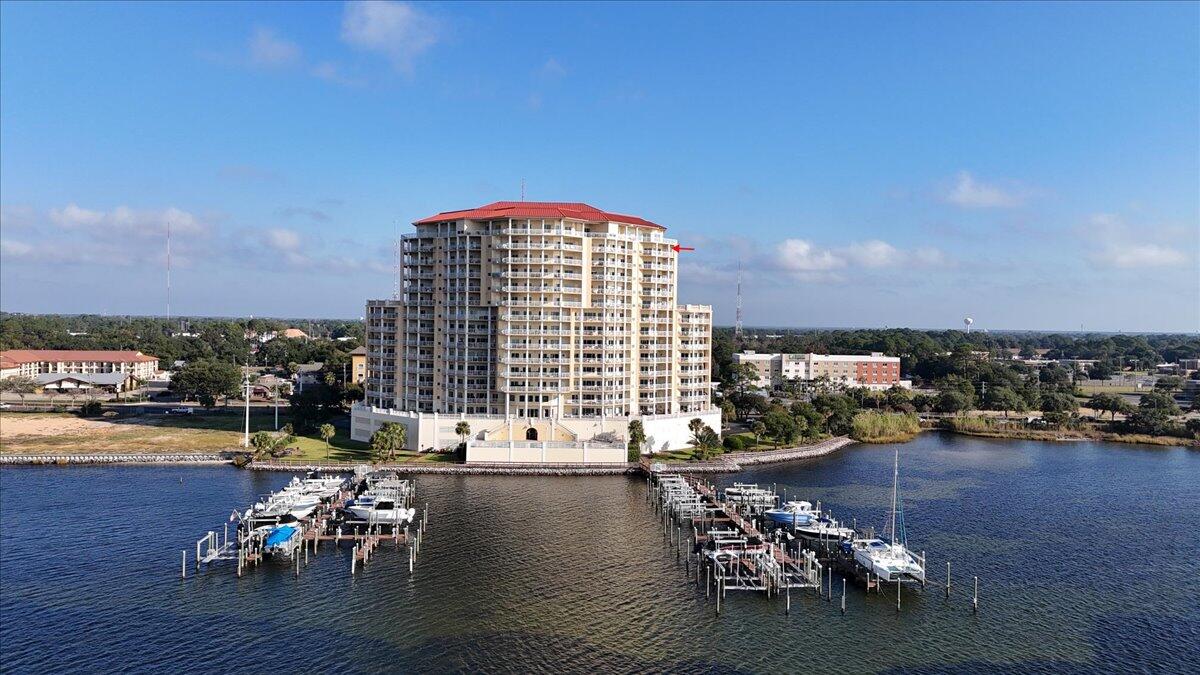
x: 874, y: 371
x: 34, y: 362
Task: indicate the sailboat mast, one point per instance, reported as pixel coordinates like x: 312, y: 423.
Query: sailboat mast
x: 895, y: 488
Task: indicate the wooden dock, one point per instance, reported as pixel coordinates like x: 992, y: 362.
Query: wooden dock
x: 330, y: 524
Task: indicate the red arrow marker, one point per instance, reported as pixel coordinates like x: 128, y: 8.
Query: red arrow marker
x: 677, y: 248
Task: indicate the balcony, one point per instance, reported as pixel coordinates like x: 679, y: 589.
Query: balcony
x: 525, y: 260
x: 541, y: 303
x: 539, y: 246
x: 541, y: 231
x: 532, y: 346
x: 534, y: 331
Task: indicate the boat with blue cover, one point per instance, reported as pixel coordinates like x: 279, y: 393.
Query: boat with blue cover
x: 802, y: 519
x: 792, y: 514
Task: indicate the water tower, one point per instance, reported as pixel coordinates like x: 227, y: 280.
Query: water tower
x: 967, y: 322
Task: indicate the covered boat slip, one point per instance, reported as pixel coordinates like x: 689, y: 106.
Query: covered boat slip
x: 738, y: 539
x: 727, y: 548
x: 292, y: 523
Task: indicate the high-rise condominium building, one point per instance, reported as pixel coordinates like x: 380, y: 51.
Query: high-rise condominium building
x: 524, y: 311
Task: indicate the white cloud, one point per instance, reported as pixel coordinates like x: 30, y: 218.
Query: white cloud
x: 873, y: 253
x: 125, y: 221
x: 798, y: 255
x: 1116, y: 245
x: 282, y: 239
x: 552, y: 69
x: 267, y: 49
x: 13, y: 216
x: 332, y: 72
x: 1138, y: 255
x: 929, y: 257
x: 968, y: 192
x: 807, y: 261
x: 15, y: 249
x: 397, y: 30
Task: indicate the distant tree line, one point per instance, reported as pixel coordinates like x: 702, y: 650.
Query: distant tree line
x: 186, y: 339
x: 960, y: 371
x: 923, y: 353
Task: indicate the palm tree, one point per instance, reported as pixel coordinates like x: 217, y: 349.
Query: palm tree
x: 759, y: 429
x: 388, y: 440
x: 463, y: 429
x: 327, y: 431
x: 696, y: 426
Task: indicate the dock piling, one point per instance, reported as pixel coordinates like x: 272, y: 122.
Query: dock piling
x: 843, y: 595
x: 975, y: 600
x: 947, y: 578
x: 183, y: 569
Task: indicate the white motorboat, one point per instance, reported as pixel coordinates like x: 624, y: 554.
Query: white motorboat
x: 382, y: 511
x: 793, y: 514
x: 889, y: 558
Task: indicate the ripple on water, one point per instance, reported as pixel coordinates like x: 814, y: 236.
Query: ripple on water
x: 571, y: 574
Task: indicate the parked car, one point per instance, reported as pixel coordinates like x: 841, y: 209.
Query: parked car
x: 180, y: 411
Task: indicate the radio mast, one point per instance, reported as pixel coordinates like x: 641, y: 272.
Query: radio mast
x: 168, y: 276
x: 737, y: 324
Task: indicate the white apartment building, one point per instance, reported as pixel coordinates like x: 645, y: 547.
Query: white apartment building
x: 875, y: 371
x: 537, y: 323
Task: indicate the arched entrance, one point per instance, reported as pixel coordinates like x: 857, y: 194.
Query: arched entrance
x: 531, y: 434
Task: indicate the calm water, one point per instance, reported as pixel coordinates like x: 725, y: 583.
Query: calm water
x: 1087, y: 555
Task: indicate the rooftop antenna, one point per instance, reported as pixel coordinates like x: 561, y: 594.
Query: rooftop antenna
x: 737, y: 324
x: 168, y: 275
x: 522, y: 189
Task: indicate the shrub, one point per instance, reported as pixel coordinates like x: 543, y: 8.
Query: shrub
x: 90, y: 409
x: 875, y: 427
x: 734, y: 443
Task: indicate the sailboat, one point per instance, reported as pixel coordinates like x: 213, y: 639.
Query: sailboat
x: 889, y: 558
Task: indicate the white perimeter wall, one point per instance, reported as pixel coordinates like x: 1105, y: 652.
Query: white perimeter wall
x: 426, y: 430
x: 665, y: 432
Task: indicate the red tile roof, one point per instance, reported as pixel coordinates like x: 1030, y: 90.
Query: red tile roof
x: 502, y: 210
x: 39, y: 355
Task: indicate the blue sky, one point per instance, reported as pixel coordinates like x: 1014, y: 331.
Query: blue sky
x: 1032, y: 165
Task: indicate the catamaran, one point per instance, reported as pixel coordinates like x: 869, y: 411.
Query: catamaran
x: 889, y: 558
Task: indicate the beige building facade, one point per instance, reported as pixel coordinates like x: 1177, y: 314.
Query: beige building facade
x: 539, y: 311
x: 873, y: 371
x: 34, y: 362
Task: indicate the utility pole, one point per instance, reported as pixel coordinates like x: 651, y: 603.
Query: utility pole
x: 246, y: 384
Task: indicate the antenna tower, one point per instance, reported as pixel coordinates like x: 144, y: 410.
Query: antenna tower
x: 168, y: 275
x: 522, y: 189
x: 737, y: 324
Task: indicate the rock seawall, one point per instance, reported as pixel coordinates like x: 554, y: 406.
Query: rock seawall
x: 61, y: 460
x: 735, y: 461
